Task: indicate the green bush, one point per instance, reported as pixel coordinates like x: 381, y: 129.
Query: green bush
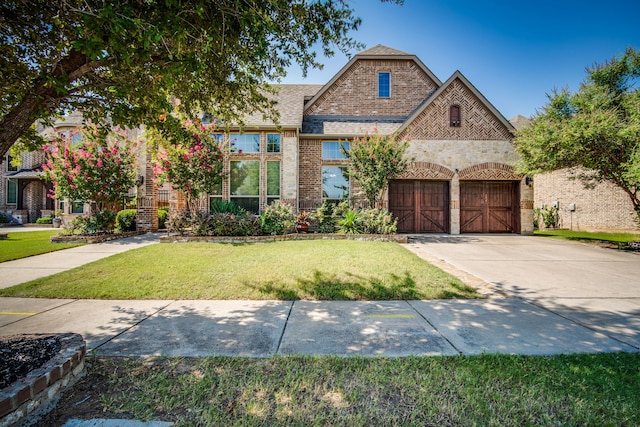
x: 227, y: 224
x: 126, y: 220
x: 277, y: 218
x: 377, y: 221
x: 351, y: 223
x: 179, y: 222
x: 100, y: 222
x: 4, y: 219
x: 163, y: 213
x: 44, y: 220
x: 226, y: 206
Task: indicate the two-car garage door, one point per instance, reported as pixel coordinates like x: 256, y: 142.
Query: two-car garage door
x: 422, y: 206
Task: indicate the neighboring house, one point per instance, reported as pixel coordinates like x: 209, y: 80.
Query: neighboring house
x: 461, y: 179
x: 601, y: 207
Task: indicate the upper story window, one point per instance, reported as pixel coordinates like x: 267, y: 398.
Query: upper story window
x: 454, y: 116
x: 245, y: 142
x: 331, y: 149
x: 10, y: 167
x: 384, y: 85
x: 218, y: 137
x: 273, y: 143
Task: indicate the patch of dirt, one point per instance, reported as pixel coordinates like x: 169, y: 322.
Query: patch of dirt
x: 20, y: 354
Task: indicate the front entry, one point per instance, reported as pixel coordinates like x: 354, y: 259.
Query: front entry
x: 420, y: 206
x: 489, y: 207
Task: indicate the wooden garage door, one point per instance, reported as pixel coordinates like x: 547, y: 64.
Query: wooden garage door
x: 420, y: 206
x: 489, y: 207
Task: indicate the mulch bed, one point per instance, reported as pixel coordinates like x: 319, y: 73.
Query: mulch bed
x: 20, y: 354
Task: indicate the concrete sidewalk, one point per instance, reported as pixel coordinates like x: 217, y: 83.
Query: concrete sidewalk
x: 30, y: 268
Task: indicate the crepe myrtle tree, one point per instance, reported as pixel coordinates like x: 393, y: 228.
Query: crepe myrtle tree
x: 124, y: 60
x: 91, y: 165
x: 374, y: 160
x: 190, y: 158
x: 596, y: 129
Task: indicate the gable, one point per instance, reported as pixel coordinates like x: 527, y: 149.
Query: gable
x: 354, y: 91
x: 479, y: 119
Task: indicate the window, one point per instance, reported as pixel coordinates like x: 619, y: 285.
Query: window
x: 273, y: 143
x: 77, y: 207
x: 217, y: 137
x: 273, y: 181
x: 384, y: 85
x: 10, y: 167
x: 216, y: 194
x: 12, y: 192
x: 335, y: 183
x: 245, y: 184
x: 454, y: 116
x: 331, y: 150
x: 245, y: 142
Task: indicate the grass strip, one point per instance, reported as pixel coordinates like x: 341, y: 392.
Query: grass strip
x: 488, y: 390
x: 314, y: 270
x: 586, y: 235
x: 28, y: 243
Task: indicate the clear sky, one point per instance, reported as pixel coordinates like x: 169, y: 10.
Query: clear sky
x: 512, y: 52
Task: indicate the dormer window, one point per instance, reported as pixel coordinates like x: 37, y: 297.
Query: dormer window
x: 384, y: 84
x: 454, y: 116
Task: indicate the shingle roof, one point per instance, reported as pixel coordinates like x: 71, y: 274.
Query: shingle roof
x: 290, y: 103
x: 382, y: 50
x: 337, y: 125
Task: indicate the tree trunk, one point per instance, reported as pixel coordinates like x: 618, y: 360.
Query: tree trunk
x: 42, y: 97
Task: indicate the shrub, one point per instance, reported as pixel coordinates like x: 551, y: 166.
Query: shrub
x: 126, y: 220
x: 4, y: 219
x: 328, y: 215
x: 100, y: 222
x: 44, y: 220
x: 550, y: 217
x: 200, y: 222
x: 228, y: 224
x: 226, y: 206
x: 378, y: 221
x: 162, y: 217
x: 351, y: 223
x: 179, y: 222
x: 277, y: 218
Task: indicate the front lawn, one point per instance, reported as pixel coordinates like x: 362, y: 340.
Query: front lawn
x: 487, y: 390
x: 315, y: 269
x: 27, y: 243
x: 620, y: 239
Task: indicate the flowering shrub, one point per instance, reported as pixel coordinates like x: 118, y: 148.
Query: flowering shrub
x: 91, y: 165
x: 277, y: 218
x: 377, y: 221
x: 192, y: 160
x: 99, y: 222
x: 374, y: 161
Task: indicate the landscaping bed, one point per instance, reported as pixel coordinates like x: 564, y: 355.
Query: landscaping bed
x: 93, y: 238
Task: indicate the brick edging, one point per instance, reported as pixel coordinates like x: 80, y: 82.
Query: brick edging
x: 398, y: 238
x: 27, y: 399
x: 61, y: 238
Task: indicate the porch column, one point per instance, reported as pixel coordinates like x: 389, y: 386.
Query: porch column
x: 454, y: 208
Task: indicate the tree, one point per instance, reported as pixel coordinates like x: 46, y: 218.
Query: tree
x: 374, y: 161
x: 596, y: 128
x: 190, y: 158
x: 91, y: 166
x: 126, y: 59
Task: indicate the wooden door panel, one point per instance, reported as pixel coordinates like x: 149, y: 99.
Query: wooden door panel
x: 488, y: 207
x: 420, y: 206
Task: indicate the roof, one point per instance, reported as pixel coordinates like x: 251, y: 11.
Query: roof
x: 382, y: 50
x: 349, y: 126
x: 35, y: 173
x: 289, y: 102
x: 519, y: 121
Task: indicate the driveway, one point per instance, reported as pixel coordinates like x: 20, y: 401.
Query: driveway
x: 594, y: 287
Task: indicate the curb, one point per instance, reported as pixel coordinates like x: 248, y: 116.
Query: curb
x: 27, y: 399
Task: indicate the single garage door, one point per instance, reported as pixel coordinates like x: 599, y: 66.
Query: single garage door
x: 420, y: 206
x: 489, y: 207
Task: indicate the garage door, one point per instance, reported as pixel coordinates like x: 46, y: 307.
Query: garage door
x: 420, y: 206
x: 489, y: 207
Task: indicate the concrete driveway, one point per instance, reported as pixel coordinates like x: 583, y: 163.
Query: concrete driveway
x: 594, y: 287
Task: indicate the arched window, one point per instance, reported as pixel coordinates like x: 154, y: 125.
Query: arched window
x: 454, y: 116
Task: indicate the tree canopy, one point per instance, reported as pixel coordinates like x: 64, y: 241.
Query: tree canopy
x: 596, y: 129
x: 127, y: 60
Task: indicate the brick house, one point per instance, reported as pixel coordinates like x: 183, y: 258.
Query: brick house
x: 601, y: 207
x: 461, y: 179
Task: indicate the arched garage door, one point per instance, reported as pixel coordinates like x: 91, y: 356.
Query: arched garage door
x: 420, y: 206
x: 489, y: 207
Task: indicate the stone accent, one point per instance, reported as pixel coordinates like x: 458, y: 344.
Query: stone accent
x: 427, y: 170
x: 477, y: 122
x: 355, y: 92
x: 603, y: 207
x: 26, y: 400
x: 398, y: 238
x: 489, y: 171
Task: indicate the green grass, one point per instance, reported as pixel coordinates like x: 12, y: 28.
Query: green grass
x: 316, y: 269
x: 590, y: 236
x: 487, y: 390
x: 27, y: 243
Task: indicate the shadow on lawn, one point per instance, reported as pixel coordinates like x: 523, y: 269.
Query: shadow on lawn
x: 323, y: 286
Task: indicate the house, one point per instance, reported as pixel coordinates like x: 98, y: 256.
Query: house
x: 600, y: 207
x: 461, y: 180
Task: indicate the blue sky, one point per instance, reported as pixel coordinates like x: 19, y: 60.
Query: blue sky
x: 513, y: 52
